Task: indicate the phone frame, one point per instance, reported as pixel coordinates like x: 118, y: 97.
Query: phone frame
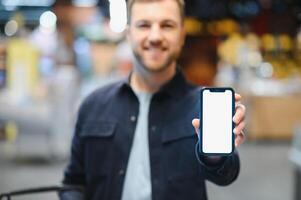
x: 215, y: 89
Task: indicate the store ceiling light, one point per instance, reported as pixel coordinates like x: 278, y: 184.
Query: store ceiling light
x: 118, y: 15
x: 48, y: 20
x: 11, y: 28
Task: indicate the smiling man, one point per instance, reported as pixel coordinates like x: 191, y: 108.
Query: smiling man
x: 156, y: 35
x: 134, y: 139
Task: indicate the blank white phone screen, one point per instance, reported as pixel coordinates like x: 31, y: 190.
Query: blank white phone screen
x: 217, y: 122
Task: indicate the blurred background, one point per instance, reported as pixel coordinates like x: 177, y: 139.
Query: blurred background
x: 53, y: 53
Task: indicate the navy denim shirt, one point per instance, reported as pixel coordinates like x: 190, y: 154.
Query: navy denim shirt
x: 104, y: 134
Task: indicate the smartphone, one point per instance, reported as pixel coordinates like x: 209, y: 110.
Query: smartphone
x: 216, y: 121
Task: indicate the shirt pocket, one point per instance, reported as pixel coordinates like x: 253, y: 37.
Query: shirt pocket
x: 98, y: 129
x: 98, y: 137
x: 177, y: 132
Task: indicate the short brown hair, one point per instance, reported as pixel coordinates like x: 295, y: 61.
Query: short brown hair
x: 130, y: 4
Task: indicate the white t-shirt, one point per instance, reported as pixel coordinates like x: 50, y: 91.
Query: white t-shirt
x: 137, y: 184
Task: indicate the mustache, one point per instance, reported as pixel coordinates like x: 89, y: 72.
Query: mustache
x: 156, y: 46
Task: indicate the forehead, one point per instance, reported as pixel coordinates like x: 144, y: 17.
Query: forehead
x: 156, y: 11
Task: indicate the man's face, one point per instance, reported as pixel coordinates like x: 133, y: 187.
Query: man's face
x: 156, y: 34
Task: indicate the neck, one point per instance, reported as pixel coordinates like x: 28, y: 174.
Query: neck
x: 151, y: 81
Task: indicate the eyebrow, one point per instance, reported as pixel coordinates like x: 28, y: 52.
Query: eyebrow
x: 168, y: 21
x: 172, y: 22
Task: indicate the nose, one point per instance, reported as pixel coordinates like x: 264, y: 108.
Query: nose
x: 155, y: 35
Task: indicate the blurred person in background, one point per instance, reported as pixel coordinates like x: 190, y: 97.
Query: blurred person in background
x: 134, y: 139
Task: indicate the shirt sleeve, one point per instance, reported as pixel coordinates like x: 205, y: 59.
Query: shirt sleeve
x: 223, y: 172
x: 74, y: 174
x: 71, y: 195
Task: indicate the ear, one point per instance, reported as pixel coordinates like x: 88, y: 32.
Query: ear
x: 183, y: 36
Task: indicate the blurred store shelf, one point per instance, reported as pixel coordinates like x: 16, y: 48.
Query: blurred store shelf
x: 273, y: 117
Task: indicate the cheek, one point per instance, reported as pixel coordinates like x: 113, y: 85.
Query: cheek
x: 181, y: 40
x: 177, y: 45
x: 176, y: 39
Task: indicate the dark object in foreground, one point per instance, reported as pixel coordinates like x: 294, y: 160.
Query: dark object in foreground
x: 57, y: 189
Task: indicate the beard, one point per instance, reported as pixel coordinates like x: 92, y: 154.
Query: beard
x: 168, y: 61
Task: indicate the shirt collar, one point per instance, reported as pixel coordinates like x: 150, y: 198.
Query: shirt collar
x: 176, y: 87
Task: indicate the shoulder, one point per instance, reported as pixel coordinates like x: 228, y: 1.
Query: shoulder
x: 193, y: 90
x: 108, y: 91
x: 101, y: 96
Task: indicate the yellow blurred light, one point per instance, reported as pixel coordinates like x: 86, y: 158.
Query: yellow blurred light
x: 193, y: 26
x: 285, y: 42
x: 227, y: 27
x: 268, y: 42
x: 11, y: 131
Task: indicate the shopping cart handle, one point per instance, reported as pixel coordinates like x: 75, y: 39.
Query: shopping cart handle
x: 40, y: 190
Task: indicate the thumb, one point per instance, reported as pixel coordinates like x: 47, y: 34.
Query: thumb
x: 196, y: 124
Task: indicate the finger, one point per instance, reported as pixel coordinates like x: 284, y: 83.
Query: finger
x: 196, y: 125
x: 239, y: 114
x: 237, y: 97
x: 239, y: 139
x: 239, y: 128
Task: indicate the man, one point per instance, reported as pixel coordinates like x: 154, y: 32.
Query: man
x: 134, y: 139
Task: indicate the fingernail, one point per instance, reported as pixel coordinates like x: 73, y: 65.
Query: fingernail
x: 234, y: 130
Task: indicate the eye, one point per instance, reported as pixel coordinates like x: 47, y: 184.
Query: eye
x: 143, y: 25
x: 168, y: 26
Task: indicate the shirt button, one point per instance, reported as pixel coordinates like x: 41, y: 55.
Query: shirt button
x: 153, y: 128
x: 133, y: 118
x: 121, y: 172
